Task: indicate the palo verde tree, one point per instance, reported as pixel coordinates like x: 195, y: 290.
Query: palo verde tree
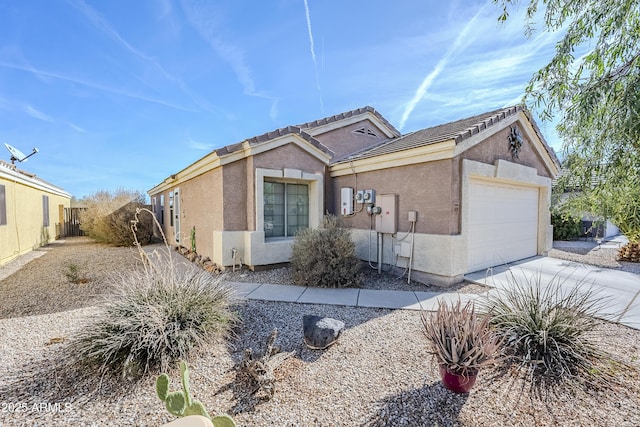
x: 592, y: 85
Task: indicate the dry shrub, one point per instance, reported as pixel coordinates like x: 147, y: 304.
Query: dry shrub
x: 107, y: 217
x: 630, y: 252
x: 325, y: 257
x: 155, y: 317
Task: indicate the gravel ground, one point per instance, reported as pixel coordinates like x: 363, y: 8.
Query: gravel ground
x: 378, y: 374
x: 41, y: 287
x: 594, y: 255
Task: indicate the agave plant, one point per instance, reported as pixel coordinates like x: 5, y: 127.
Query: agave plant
x: 460, y: 339
x: 548, y: 327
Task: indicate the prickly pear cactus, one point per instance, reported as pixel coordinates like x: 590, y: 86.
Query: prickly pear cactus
x: 162, y: 386
x: 223, y: 421
x: 180, y: 403
x: 176, y: 403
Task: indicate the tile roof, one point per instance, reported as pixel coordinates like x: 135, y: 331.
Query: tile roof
x: 300, y: 130
x: 458, y: 131
x: 346, y: 115
x: 272, y: 135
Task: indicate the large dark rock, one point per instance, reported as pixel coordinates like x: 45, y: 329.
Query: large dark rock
x: 320, y: 332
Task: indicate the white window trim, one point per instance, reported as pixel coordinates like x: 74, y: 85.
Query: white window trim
x: 316, y: 193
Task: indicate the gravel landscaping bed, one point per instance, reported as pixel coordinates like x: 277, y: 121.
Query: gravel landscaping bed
x: 377, y: 374
x: 601, y: 257
x: 41, y: 286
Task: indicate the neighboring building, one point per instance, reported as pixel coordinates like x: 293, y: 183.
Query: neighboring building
x: 31, y: 211
x: 454, y: 198
x: 591, y: 226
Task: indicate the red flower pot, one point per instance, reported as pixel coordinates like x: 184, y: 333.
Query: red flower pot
x: 457, y: 383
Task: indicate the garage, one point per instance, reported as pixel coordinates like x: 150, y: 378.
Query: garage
x: 502, y: 223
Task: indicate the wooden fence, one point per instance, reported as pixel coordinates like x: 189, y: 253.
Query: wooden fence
x: 71, y: 224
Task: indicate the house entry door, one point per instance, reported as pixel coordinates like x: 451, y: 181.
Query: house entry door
x: 176, y: 214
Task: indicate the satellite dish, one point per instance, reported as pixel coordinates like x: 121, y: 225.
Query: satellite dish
x: 19, y: 155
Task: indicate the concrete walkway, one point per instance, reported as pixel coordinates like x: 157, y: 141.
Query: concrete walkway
x: 618, y: 290
x: 406, y: 300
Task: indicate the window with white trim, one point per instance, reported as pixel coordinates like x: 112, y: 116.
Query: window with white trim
x: 45, y: 211
x: 286, y: 208
x: 3, y: 206
x: 171, y: 209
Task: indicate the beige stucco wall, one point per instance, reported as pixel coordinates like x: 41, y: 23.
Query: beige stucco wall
x: 496, y: 147
x: 235, y: 196
x: 288, y: 156
x: 425, y: 188
x: 25, y: 228
x: 200, y: 206
x: 343, y: 141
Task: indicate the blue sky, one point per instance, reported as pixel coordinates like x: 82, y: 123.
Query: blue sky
x: 121, y: 93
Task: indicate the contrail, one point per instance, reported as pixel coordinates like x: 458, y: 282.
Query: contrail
x: 462, y: 39
x: 105, y: 26
x: 87, y: 83
x: 37, y: 114
x: 313, y: 53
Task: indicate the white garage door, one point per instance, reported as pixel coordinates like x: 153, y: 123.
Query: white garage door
x: 503, y: 224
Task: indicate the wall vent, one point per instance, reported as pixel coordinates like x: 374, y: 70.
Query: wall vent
x: 365, y: 131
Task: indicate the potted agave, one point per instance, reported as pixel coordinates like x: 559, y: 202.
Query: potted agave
x: 461, y: 342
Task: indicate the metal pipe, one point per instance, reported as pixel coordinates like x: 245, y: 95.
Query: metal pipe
x: 380, y: 248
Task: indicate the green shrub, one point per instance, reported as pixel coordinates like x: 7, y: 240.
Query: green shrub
x: 566, y: 227
x: 154, y: 318
x: 75, y: 273
x: 325, y: 257
x: 548, y: 329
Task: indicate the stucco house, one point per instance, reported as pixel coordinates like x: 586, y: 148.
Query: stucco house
x: 439, y: 202
x: 31, y: 211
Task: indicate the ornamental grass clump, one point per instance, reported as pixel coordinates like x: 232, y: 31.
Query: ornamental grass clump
x: 460, y: 339
x: 325, y: 257
x: 548, y: 331
x: 154, y: 317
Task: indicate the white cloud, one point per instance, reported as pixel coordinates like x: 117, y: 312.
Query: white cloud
x: 37, y: 114
x: 463, y: 39
x: 93, y: 85
x: 76, y: 128
x: 273, y: 113
x: 105, y: 27
x: 201, y: 18
x: 313, y: 53
x: 199, y: 145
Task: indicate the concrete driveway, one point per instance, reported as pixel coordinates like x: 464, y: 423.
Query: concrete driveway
x: 618, y: 290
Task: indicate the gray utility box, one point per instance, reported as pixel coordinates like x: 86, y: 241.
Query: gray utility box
x: 387, y: 220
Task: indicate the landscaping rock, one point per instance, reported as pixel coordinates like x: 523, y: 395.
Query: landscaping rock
x: 320, y: 332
